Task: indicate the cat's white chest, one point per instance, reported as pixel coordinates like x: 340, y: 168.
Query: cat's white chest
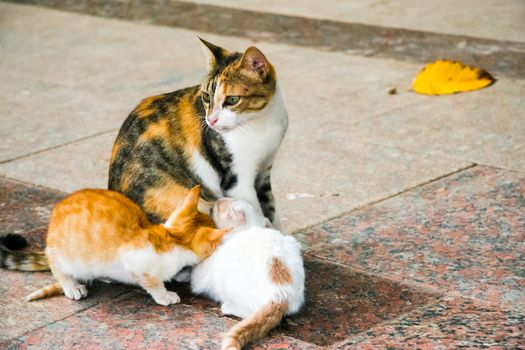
x: 161, y: 265
x: 253, y: 147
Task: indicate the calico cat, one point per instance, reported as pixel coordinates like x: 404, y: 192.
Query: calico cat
x: 257, y: 273
x: 100, y: 234
x: 222, y: 134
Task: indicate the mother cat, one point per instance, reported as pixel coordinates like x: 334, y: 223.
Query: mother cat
x: 222, y: 134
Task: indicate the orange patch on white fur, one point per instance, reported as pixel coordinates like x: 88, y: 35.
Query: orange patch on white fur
x: 279, y: 273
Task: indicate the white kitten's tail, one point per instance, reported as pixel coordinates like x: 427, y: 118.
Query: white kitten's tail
x: 255, y: 326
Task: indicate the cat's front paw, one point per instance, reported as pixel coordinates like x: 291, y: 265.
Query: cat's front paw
x: 76, y: 292
x: 167, y: 298
x: 228, y: 309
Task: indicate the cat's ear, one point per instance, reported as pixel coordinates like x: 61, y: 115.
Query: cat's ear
x: 192, y: 199
x: 188, y: 206
x: 254, y: 62
x: 213, y: 52
x: 217, y: 234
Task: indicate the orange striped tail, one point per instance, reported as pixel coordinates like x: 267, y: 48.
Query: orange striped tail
x: 47, y: 291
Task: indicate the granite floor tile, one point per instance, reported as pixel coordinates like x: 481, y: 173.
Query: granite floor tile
x: 448, y: 324
x: 319, y: 177
x: 440, y: 17
x: 463, y: 234
x: 81, y: 164
x: 38, y: 114
x: 134, y: 321
x: 24, y: 207
x: 339, y: 302
x: 18, y: 317
x: 484, y: 126
x: 90, y: 87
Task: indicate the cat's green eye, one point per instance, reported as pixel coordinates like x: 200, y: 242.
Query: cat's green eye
x: 231, y: 100
x: 206, y: 97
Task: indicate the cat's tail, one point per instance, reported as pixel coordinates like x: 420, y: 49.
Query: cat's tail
x: 47, y: 291
x: 255, y: 326
x: 11, y: 259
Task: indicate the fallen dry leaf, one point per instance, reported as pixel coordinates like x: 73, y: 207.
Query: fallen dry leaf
x: 445, y: 77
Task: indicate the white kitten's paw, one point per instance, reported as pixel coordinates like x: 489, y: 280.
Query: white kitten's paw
x: 227, y: 309
x: 167, y: 298
x: 183, y: 276
x: 107, y: 280
x: 76, y: 292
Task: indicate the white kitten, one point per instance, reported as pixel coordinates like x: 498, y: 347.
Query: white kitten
x: 256, y: 273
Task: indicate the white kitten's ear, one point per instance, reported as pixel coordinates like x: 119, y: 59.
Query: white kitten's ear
x: 213, y: 52
x: 217, y: 234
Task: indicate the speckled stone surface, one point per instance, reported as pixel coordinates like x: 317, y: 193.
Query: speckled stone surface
x: 25, y: 210
x: 134, y: 321
x: 485, y: 127
x: 339, y: 302
x: 464, y: 234
x: 447, y: 324
x: 434, y: 258
x: 122, y: 62
x: 23, y: 207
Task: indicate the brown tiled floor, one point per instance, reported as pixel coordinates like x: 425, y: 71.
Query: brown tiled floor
x: 436, y: 247
x: 450, y: 323
x: 428, y: 248
x: 340, y: 302
x: 464, y: 234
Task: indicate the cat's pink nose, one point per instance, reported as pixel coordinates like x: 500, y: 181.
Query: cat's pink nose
x: 213, y: 120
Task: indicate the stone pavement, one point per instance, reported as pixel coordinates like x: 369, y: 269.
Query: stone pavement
x: 411, y: 209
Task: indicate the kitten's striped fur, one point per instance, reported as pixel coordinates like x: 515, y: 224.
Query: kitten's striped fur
x: 11, y: 259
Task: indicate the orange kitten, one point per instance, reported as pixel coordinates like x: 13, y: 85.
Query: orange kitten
x: 100, y: 234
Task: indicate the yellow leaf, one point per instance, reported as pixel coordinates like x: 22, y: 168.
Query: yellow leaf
x: 449, y: 77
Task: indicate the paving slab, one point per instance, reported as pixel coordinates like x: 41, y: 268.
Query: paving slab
x: 127, y: 324
x: 484, y: 126
x: 498, y: 56
x: 77, y: 165
x: 493, y: 19
x: 96, y: 101
x: 24, y: 207
x: 451, y: 323
x: 25, y: 210
x: 463, y: 234
x: 339, y: 301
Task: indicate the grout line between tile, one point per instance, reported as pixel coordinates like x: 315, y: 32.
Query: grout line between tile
x: 65, y: 317
x: 377, y: 201
x: 416, y: 285
x: 58, y: 146
x: 29, y: 184
x: 423, y: 288
x: 386, y: 322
